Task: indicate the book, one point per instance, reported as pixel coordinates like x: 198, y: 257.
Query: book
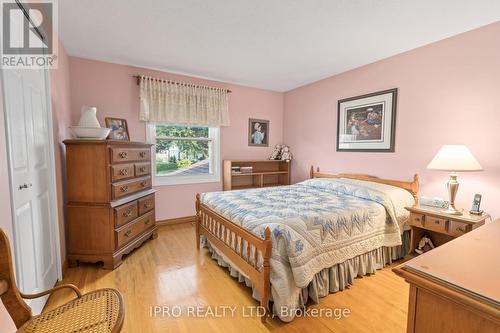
x: 246, y: 169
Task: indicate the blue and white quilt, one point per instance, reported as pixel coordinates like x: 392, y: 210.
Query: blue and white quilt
x: 316, y: 224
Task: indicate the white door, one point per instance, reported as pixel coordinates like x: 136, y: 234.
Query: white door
x: 32, y: 181
x: 28, y: 122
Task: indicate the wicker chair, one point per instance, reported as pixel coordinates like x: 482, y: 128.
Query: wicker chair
x: 97, y: 311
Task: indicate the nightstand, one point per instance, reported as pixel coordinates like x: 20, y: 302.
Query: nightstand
x: 439, y: 226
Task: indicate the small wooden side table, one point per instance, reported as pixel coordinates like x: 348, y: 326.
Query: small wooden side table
x: 439, y: 226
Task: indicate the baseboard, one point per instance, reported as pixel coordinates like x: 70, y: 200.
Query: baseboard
x: 177, y: 220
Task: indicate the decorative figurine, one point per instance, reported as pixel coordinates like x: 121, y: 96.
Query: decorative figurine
x: 276, y: 154
x: 286, y: 154
x: 424, y: 245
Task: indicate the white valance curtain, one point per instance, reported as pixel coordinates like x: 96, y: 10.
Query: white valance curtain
x: 172, y: 102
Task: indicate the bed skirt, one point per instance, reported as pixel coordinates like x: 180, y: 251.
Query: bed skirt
x: 328, y: 280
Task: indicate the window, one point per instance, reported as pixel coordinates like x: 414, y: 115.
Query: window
x: 184, y: 154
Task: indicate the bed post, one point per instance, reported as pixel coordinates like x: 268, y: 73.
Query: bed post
x: 266, y: 288
x: 198, y: 221
x: 311, y: 172
x: 415, y: 187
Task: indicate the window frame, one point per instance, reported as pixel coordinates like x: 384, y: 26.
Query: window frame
x: 215, y: 162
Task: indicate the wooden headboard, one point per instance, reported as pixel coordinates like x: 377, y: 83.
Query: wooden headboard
x: 411, y: 187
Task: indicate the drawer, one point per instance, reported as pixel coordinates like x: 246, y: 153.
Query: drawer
x: 456, y: 228
x: 435, y: 224
x: 142, y: 169
x: 125, y: 213
x: 146, y: 204
x: 119, y: 155
x: 130, y: 231
x: 122, y: 171
x: 128, y: 187
x: 417, y: 220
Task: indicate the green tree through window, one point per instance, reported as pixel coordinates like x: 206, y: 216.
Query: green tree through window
x: 182, y: 150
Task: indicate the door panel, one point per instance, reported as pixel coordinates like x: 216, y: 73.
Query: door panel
x: 45, y: 244
x: 24, y: 234
x: 19, y: 157
x: 39, y: 128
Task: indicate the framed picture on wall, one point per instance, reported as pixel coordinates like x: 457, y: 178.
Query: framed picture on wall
x: 258, y: 132
x: 367, y: 123
x: 119, y: 129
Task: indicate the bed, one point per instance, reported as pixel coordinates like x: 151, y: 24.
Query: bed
x: 303, y: 241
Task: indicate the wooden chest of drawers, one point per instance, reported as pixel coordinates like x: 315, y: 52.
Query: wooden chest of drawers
x: 111, y: 203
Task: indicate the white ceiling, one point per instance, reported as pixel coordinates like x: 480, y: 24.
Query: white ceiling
x: 272, y: 44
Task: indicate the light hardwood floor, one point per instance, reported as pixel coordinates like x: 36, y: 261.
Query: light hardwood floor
x: 170, y: 271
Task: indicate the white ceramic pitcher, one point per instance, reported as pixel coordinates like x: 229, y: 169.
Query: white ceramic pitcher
x: 88, y: 117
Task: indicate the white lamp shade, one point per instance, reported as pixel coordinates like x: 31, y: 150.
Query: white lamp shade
x: 454, y: 158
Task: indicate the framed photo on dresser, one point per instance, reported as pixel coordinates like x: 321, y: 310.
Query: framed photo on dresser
x: 119, y: 129
x: 367, y: 123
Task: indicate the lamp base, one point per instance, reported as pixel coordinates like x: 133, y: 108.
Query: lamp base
x: 452, y: 211
x: 452, y: 192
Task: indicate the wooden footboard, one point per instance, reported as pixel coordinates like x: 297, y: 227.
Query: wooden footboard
x: 240, y: 246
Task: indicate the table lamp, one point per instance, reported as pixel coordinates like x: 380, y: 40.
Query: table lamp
x: 454, y: 158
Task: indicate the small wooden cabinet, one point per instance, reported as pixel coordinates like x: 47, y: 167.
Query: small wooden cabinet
x: 265, y: 173
x: 439, y: 226
x: 111, y: 203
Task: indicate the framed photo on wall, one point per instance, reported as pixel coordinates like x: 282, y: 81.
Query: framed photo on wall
x: 367, y: 123
x: 258, y: 132
x: 119, y: 129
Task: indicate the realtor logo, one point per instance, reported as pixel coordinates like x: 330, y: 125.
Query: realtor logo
x: 27, y: 34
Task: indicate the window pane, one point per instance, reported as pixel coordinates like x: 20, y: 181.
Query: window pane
x: 182, y: 157
x: 181, y: 131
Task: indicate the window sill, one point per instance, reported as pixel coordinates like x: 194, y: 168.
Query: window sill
x: 165, y: 181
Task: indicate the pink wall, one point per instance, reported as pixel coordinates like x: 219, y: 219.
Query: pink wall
x: 448, y: 94
x: 111, y: 88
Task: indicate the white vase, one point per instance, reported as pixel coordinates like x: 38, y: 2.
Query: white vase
x: 89, y: 117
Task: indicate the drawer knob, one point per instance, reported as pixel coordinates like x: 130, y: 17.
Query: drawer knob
x: 147, y: 222
x: 124, y: 172
x: 123, y: 154
x: 460, y: 229
x: 436, y: 221
x: 124, y: 188
x: 127, y: 213
x: 127, y: 233
x: 147, y: 205
x: 142, y: 154
x: 144, y: 183
x: 142, y: 169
